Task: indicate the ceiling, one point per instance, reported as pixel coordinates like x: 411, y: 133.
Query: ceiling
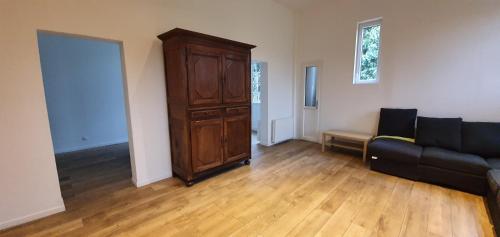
x: 295, y: 4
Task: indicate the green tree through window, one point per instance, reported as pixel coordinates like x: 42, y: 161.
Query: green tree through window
x: 256, y: 82
x: 369, y: 53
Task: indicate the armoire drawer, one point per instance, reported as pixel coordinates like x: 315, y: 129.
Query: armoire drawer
x: 237, y: 111
x: 204, y: 114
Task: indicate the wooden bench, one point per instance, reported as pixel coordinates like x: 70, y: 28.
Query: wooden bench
x: 347, y: 140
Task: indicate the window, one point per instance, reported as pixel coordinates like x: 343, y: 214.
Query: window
x: 367, y: 64
x: 310, y: 87
x: 256, y: 82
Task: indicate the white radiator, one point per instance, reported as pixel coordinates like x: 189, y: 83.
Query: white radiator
x: 281, y: 130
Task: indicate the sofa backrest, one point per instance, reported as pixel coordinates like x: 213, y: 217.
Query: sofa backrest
x: 481, y: 138
x: 440, y: 132
x: 397, y: 122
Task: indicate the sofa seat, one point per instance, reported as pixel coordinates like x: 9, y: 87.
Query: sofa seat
x: 395, y: 157
x: 451, y: 160
x: 395, y: 150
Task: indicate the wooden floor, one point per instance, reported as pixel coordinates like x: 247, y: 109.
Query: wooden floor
x: 83, y: 171
x: 291, y: 189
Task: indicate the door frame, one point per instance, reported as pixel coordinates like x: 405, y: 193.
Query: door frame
x: 264, y: 133
x: 126, y: 100
x: 302, y: 101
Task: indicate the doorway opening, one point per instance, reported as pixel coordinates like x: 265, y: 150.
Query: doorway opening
x: 310, y: 102
x: 258, y: 74
x: 84, y: 82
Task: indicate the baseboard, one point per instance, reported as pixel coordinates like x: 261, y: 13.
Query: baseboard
x: 277, y: 143
x: 308, y: 139
x: 266, y: 144
x: 134, y: 181
x: 89, y: 146
x: 140, y: 183
x: 31, y: 217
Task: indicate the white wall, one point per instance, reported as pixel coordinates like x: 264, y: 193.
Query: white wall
x: 83, y: 85
x: 28, y: 177
x: 441, y: 57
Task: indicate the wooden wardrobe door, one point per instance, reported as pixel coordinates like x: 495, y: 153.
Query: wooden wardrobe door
x: 204, y: 76
x: 236, y: 79
x: 206, y: 144
x: 237, y: 137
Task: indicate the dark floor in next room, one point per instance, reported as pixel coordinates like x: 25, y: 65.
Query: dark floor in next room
x: 87, y: 170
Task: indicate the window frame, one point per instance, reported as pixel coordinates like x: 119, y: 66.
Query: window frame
x: 359, y: 44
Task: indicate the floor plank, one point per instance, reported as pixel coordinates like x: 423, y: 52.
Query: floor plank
x: 291, y: 189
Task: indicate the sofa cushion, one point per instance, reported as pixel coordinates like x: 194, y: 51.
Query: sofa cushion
x: 493, y: 177
x: 452, y: 160
x: 494, y: 163
x: 397, y: 122
x: 481, y: 138
x: 440, y: 132
x: 395, y: 150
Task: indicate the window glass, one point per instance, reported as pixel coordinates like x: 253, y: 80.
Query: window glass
x: 256, y: 82
x: 310, y: 86
x: 368, y: 51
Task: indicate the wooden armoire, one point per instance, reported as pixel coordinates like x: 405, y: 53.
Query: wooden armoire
x: 209, y: 104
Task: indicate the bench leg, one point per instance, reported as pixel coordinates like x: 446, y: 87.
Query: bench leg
x: 323, y: 143
x: 365, y: 148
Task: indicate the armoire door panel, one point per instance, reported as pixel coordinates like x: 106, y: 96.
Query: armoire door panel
x: 206, y: 144
x: 237, y: 137
x: 236, y: 79
x: 204, y: 72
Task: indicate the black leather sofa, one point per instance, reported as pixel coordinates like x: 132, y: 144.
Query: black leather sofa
x: 493, y: 197
x: 447, y: 151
